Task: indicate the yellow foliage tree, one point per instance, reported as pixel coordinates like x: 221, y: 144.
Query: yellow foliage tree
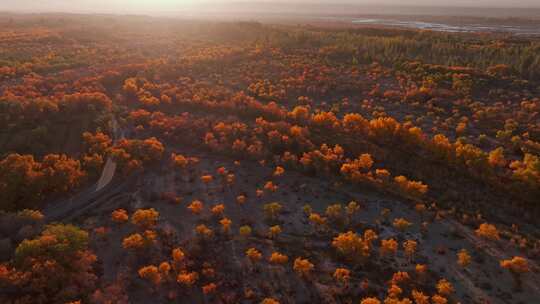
x: 351, y: 245
x: 302, y: 266
x: 245, y: 231
x: 150, y: 273
x: 274, y: 231
x: 196, y: 207
x: 410, y: 248
x: 401, y: 224
x: 145, y: 218
x: 218, y: 210
x: 203, y: 231
x: 342, y: 275
x: 488, y: 231
x: 517, y: 267
x: 438, y: 299
x: 278, y: 258
x: 272, y: 210
x: 389, y: 246
x: 419, y: 297
x: 464, y: 259
x: 120, y: 216
x: 187, y: 279
x: 370, y: 301
x: 225, y: 224
x: 444, y: 287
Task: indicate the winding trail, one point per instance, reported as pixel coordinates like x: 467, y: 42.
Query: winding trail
x: 110, y: 166
x: 90, y: 197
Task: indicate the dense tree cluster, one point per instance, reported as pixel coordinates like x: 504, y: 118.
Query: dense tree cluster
x: 56, y: 266
x: 26, y: 182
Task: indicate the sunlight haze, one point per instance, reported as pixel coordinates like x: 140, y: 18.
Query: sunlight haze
x: 269, y: 151
x: 156, y: 6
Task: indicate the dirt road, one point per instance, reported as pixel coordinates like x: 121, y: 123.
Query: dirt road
x: 80, y: 202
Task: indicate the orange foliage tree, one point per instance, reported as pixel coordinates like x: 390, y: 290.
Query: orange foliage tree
x: 55, y: 266
x: 24, y: 181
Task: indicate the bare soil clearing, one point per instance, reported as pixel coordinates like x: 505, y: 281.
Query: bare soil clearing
x: 481, y: 282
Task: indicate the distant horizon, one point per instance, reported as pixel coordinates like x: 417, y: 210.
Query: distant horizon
x: 168, y: 7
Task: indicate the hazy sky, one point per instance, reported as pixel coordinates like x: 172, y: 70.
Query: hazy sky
x: 150, y: 6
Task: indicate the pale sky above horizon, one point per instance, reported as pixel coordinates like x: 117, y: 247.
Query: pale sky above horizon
x: 149, y: 6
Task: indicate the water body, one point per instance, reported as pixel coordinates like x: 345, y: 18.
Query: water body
x: 441, y: 27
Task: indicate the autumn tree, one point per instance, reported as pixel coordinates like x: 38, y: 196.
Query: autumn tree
x: 303, y: 266
x: 270, y: 186
x: 179, y: 160
x: 145, y: 218
x: 217, y: 210
x: 138, y: 241
x: 204, y: 232
x: 464, y: 259
x: 132, y: 154
x: 209, y: 288
x: 419, y: 297
x: 187, y: 278
x: 241, y: 200
x: 278, y: 258
x: 389, y: 246
x: 400, y: 277
x: 279, y: 171
x: 352, y: 208
x: 355, y: 170
x: 342, y: 275
x: 97, y: 143
x: 113, y: 293
x: 24, y: 181
x: 178, y: 257
x: 274, y: 231
x: 444, y: 287
x: 488, y: 231
x: 55, y: 266
x: 415, y: 189
x: 438, y: 299
x: 421, y: 271
x: 150, y: 273
x: 206, y: 179
x: 245, y: 231
x: 517, y: 267
x: 334, y: 212
x: 254, y: 255
x: 409, y: 247
x: 496, y: 158
x: 370, y: 300
x: 272, y: 210
x: 120, y: 216
x: 196, y: 207
x: 351, y: 245
x: 317, y: 220
x: 225, y: 225
x: 401, y: 224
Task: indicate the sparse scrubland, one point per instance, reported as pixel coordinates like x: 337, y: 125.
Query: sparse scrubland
x: 256, y: 163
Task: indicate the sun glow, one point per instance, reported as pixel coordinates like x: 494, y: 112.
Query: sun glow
x: 161, y: 4
x: 107, y: 6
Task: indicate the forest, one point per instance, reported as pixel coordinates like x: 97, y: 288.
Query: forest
x: 160, y: 160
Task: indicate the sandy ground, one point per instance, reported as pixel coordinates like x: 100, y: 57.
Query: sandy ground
x: 482, y: 282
